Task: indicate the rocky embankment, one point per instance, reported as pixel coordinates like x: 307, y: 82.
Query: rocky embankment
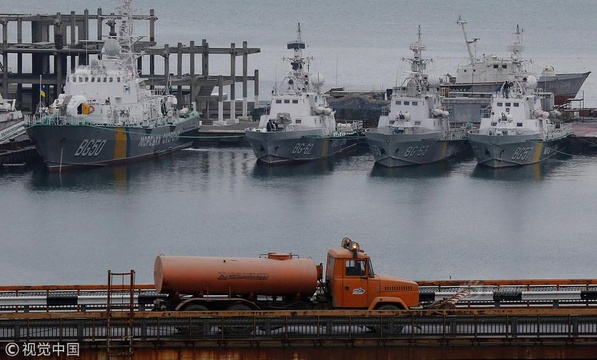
x: 359, y: 106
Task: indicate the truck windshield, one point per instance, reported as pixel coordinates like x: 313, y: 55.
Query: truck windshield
x: 371, y: 273
x: 355, y: 268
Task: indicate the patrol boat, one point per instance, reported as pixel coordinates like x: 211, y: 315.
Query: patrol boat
x: 517, y: 131
x: 107, y: 115
x: 488, y: 73
x: 300, y: 125
x: 417, y: 129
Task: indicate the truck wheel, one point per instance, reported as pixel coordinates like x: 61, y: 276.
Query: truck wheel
x: 388, y: 327
x: 196, y: 307
x: 239, y: 326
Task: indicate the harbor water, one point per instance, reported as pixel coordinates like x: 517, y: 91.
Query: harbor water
x: 447, y: 220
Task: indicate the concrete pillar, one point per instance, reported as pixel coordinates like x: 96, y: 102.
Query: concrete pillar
x: 73, y: 28
x: 205, y: 59
x: 179, y: 73
x: 221, y: 100
x: 40, y: 63
x: 85, y: 25
x: 233, y: 84
x: 19, y: 63
x: 59, y: 60
x: 166, y: 63
x: 152, y: 20
x: 245, y: 76
x: 256, y: 89
x: 4, y: 59
x: 192, y: 86
x: 99, y: 23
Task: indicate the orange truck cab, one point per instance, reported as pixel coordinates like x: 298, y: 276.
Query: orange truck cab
x: 352, y: 283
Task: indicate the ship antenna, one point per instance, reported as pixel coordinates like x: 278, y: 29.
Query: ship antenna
x: 297, y: 45
x: 516, y: 48
x: 417, y: 63
x: 297, y: 50
x: 460, y: 21
x: 125, y: 38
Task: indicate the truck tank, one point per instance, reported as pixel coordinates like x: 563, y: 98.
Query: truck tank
x: 276, y: 274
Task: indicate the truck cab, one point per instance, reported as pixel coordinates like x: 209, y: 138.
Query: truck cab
x: 352, y: 283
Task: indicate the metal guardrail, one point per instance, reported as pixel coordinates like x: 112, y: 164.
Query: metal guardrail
x: 82, y: 303
x: 82, y: 298
x: 483, y: 294
x: 288, y: 328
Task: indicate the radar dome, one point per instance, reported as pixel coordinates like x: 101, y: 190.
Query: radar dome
x: 317, y: 79
x: 111, y: 47
x: 433, y: 82
x: 531, y: 82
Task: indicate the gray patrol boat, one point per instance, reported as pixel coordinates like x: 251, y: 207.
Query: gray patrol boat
x: 107, y: 115
x: 516, y: 131
x: 300, y: 125
x: 417, y: 129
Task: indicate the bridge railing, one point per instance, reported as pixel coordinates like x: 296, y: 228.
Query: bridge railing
x: 300, y: 327
x: 78, y: 298
x: 483, y: 294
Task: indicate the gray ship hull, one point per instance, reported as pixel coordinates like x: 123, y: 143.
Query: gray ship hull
x: 282, y: 147
x: 499, y: 151
x: 563, y: 86
x: 396, y: 150
x: 65, y: 147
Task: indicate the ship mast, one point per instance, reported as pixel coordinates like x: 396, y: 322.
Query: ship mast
x: 517, y: 48
x: 468, y: 42
x: 417, y: 64
x: 125, y: 38
x: 297, y: 45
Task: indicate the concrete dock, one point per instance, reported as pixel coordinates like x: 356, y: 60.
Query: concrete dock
x: 77, y: 36
x: 584, y: 134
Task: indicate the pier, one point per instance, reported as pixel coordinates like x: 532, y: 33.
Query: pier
x: 63, y: 41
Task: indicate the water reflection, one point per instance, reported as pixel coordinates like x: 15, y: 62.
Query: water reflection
x: 99, y: 178
x: 533, y: 172
x: 421, y: 171
x: 437, y: 169
x: 318, y: 167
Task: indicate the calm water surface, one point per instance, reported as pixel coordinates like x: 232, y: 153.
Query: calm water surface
x: 449, y: 220
x: 435, y: 222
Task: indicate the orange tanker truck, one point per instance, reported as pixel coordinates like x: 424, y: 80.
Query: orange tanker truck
x: 280, y: 282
